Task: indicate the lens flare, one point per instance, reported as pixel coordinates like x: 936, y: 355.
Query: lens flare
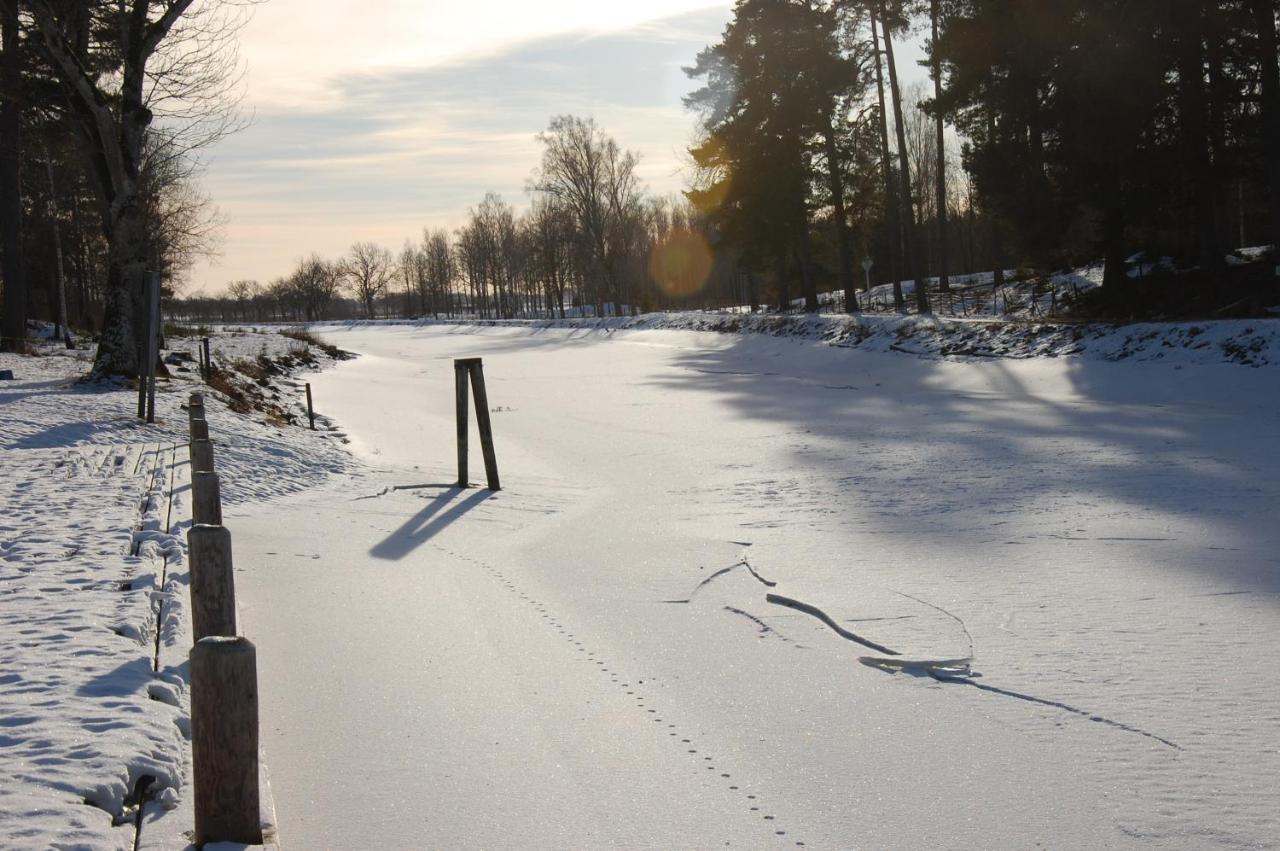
x: 681, y: 263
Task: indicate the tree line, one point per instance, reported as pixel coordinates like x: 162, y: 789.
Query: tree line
x: 593, y: 242
x: 1088, y: 129
x: 1047, y: 135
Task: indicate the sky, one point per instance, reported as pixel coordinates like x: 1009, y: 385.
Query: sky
x: 374, y: 119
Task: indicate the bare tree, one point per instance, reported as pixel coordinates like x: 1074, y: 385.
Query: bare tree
x: 368, y: 269
x: 113, y: 112
x: 316, y: 283
x: 585, y: 170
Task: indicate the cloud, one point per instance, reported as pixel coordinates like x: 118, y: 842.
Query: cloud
x: 389, y: 150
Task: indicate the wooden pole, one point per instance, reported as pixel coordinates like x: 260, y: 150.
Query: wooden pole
x: 199, y: 430
x: 142, y: 378
x: 460, y: 390
x: 311, y: 414
x: 195, y: 399
x: 202, y: 456
x: 206, y: 499
x: 486, y: 427
x: 153, y: 341
x: 224, y: 741
x: 213, y: 591
x: 208, y: 359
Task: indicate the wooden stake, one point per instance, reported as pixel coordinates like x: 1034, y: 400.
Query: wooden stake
x: 213, y: 591
x: 460, y: 389
x: 202, y: 456
x: 311, y: 414
x: 153, y: 342
x: 206, y: 499
x: 224, y: 741
x: 208, y: 361
x: 486, y: 427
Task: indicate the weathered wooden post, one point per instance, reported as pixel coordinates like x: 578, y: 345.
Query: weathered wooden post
x: 199, y: 430
x: 473, y: 368
x: 202, y: 456
x: 311, y: 414
x: 460, y: 390
x: 208, y: 361
x: 213, y: 591
x: 486, y: 427
x: 224, y: 741
x: 206, y: 499
x: 195, y: 399
x: 153, y: 342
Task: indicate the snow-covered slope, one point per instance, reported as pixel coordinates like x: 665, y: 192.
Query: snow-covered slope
x: 93, y: 504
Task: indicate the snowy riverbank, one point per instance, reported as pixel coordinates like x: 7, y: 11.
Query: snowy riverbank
x: 93, y: 701
x: 1247, y: 342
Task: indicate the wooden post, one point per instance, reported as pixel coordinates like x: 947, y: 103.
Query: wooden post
x: 213, y: 591
x: 202, y: 456
x: 194, y: 399
x: 199, y: 430
x: 142, y: 381
x: 153, y: 342
x: 224, y: 741
x: 486, y: 428
x: 206, y: 499
x: 460, y: 389
x: 311, y: 414
x: 208, y: 360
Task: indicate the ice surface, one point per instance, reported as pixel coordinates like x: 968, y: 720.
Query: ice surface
x: 549, y: 666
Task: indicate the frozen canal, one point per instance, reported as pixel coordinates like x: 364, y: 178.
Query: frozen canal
x: 589, y: 658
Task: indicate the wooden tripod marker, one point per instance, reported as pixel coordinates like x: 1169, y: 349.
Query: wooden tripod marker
x: 464, y: 368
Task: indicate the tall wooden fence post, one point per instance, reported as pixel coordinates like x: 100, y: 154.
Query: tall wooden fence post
x: 153, y: 341
x: 460, y: 390
x: 224, y: 741
x: 311, y: 413
x: 473, y: 369
x: 486, y: 427
x: 213, y: 590
x: 208, y: 360
x: 206, y: 499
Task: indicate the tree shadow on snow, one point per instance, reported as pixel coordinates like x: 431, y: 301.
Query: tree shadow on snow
x: 950, y: 453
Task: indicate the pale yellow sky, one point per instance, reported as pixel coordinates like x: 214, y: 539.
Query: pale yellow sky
x: 374, y: 119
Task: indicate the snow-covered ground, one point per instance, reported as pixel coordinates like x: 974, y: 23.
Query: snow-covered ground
x: 659, y: 634
x: 93, y: 588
